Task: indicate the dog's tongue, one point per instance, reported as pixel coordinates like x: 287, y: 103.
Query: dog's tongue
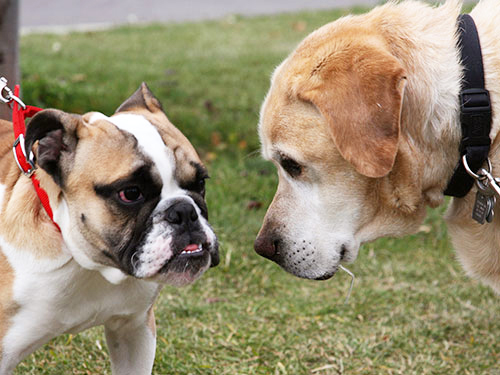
x: 190, y: 248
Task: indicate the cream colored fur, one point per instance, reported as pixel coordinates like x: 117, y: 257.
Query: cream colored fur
x: 299, y: 120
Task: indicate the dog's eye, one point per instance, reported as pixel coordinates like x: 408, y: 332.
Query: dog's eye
x: 197, y: 186
x: 201, y: 186
x: 130, y: 195
x: 293, y: 168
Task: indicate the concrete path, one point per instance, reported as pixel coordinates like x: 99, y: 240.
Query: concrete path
x: 64, y: 15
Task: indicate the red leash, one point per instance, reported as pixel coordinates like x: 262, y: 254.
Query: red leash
x: 26, y: 162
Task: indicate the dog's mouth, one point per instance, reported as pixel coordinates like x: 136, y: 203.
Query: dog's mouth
x: 326, y: 276
x: 200, y: 250
x: 307, y: 267
x: 175, y: 259
x: 330, y: 274
x: 192, y: 258
x: 192, y: 250
x: 188, y: 263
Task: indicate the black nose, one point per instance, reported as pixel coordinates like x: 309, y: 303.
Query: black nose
x: 181, y: 214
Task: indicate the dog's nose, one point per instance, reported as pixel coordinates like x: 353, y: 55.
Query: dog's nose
x: 266, y: 246
x: 181, y: 214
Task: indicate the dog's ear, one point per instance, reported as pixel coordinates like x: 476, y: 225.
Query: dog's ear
x: 55, y: 132
x: 143, y: 98
x: 360, y: 95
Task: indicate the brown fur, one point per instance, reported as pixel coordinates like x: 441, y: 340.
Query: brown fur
x: 364, y: 120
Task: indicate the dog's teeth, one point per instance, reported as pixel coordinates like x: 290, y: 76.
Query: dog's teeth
x: 191, y: 249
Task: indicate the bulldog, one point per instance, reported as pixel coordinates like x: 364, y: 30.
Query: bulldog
x: 127, y: 193
x: 362, y: 121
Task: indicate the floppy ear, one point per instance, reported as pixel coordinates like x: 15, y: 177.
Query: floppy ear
x: 142, y: 98
x: 360, y: 96
x: 55, y: 132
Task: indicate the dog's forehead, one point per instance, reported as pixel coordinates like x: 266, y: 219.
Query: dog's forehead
x: 292, y: 127
x: 151, y: 144
x: 171, y: 136
x: 163, y: 144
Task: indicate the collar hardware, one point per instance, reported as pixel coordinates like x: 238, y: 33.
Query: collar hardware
x: 19, y: 142
x: 25, y: 162
x: 475, y: 110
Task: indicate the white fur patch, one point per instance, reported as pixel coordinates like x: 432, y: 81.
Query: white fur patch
x: 152, y: 145
x: 56, y: 296
x: 156, y: 251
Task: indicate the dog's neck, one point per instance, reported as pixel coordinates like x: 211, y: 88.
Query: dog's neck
x: 430, y: 120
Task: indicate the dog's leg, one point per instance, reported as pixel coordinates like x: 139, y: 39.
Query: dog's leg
x: 132, y: 344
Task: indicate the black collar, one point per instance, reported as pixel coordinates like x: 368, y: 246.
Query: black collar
x: 475, y: 109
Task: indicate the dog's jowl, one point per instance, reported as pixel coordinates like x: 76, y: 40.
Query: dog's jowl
x: 363, y: 123
x: 127, y: 193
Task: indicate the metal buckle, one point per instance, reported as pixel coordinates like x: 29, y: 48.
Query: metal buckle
x: 30, y: 160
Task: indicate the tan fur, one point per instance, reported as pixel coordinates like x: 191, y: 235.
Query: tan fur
x: 151, y: 320
x: 370, y: 105
x: 184, y: 151
x: 6, y: 140
x: 364, y: 120
x: 21, y: 206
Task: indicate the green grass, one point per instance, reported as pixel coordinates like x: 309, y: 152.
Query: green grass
x: 412, y: 310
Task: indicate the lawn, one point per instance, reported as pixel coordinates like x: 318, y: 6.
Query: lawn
x: 412, y: 310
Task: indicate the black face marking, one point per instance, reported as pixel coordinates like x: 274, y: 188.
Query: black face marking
x: 141, y: 180
x: 135, y: 216
x: 200, y: 202
x: 109, y: 255
x: 83, y: 218
x: 197, y: 183
x: 133, y: 200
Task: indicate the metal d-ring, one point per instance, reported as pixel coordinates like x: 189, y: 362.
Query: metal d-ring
x: 9, y: 96
x: 471, y: 173
x: 3, y: 87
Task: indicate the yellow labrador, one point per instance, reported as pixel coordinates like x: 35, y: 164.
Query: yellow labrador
x: 362, y: 121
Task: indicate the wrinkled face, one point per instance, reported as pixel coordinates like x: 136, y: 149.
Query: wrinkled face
x: 132, y: 197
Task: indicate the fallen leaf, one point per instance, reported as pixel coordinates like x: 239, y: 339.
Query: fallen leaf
x: 254, y: 205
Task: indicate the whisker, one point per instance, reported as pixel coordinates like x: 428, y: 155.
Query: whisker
x: 135, y: 261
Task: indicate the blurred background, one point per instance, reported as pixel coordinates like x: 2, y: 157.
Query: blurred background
x: 54, y: 15
x: 413, y: 311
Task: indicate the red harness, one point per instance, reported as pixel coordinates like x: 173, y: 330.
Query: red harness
x: 25, y: 162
